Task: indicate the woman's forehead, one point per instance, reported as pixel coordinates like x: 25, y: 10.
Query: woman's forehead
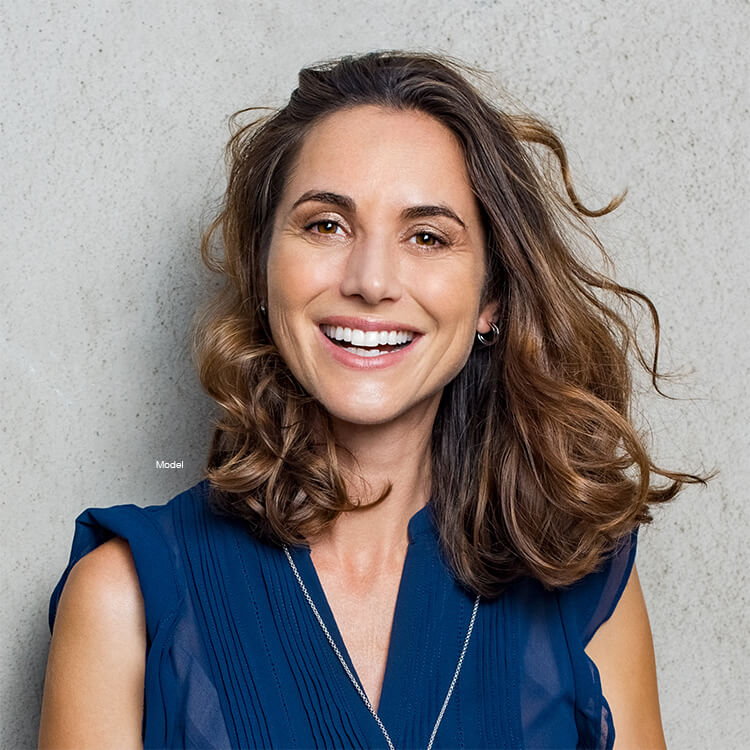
x: 358, y: 132
x: 408, y: 157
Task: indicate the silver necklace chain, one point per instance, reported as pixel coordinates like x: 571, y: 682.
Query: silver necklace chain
x: 354, y: 682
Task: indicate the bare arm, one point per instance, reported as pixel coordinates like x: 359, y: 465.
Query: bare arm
x: 623, y: 651
x: 93, y: 689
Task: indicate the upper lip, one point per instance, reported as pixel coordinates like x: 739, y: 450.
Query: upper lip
x: 366, y: 324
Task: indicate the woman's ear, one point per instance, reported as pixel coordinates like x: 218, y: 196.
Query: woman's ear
x: 487, y: 315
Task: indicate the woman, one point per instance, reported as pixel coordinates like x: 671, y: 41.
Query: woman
x: 419, y: 518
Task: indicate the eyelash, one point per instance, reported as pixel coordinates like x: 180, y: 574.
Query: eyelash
x: 439, y: 240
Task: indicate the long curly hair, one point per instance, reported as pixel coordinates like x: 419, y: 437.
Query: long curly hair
x: 537, y: 467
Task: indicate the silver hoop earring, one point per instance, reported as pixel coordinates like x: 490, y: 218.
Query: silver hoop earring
x: 495, y: 336
x: 263, y: 308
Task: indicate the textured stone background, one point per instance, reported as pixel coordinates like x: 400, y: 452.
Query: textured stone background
x: 114, y: 116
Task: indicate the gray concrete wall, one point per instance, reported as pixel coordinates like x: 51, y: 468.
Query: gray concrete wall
x: 113, y: 120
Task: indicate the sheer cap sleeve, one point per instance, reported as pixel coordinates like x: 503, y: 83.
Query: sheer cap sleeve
x: 152, y: 554
x: 584, y: 607
x: 181, y: 704
x: 593, y: 599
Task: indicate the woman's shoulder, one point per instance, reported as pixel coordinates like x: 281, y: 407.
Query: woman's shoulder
x: 103, y: 600
x: 105, y: 572
x: 127, y: 544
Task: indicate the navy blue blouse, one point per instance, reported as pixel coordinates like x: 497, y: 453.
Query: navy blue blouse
x: 236, y: 659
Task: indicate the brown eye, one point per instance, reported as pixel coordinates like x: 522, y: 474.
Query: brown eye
x: 328, y: 223
x: 432, y: 240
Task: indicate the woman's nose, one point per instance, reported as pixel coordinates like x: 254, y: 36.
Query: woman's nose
x: 372, y: 271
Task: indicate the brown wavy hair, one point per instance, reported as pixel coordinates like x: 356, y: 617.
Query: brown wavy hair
x: 537, y: 468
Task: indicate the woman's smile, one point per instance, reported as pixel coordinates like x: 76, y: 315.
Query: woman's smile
x: 354, y: 347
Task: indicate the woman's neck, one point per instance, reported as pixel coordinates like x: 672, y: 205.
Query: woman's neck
x: 367, y: 541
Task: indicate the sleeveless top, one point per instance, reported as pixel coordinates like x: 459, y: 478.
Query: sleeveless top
x: 235, y: 657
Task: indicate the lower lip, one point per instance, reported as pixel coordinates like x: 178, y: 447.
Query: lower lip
x: 367, y: 363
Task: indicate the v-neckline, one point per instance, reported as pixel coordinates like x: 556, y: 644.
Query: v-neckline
x: 388, y: 708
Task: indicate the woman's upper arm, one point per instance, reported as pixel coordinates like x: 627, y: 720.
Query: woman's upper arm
x: 93, y: 689
x: 623, y: 651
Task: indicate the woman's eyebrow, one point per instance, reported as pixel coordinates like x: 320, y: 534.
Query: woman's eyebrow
x: 344, y: 201
x: 418, y: 212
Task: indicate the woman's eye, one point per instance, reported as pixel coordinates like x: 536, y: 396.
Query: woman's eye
x: 432, y: 240
x: 327, y: 223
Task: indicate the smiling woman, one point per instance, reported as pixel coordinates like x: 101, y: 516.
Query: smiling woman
x: 419, y: 516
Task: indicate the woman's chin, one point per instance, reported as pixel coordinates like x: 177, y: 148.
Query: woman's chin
x: 371, y: 414
x: 379, y: 411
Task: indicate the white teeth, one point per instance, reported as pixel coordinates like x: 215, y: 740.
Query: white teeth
x: 365, y: 352
x: 361, y: 338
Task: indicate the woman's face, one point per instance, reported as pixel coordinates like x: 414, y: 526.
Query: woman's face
x: 377, y: 239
